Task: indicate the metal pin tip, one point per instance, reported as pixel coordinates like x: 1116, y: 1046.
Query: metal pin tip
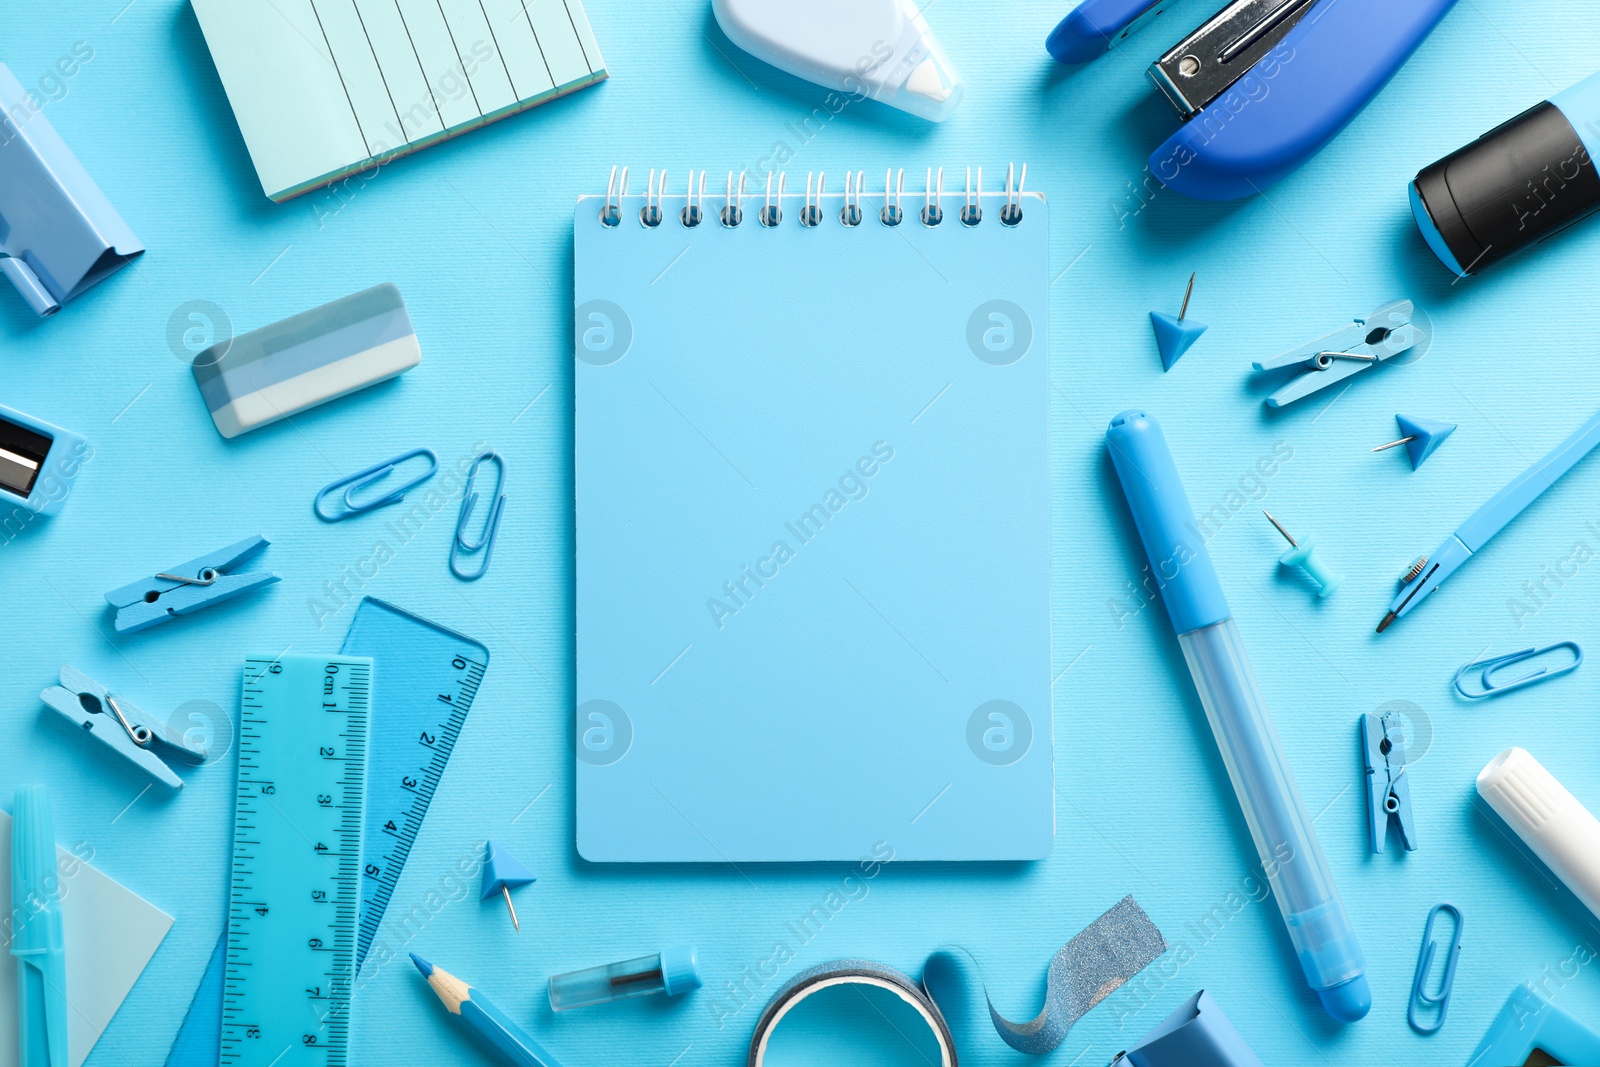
x: 1187, y: 293
x: 1396, y: 444
x: 1387, y: 619
x: 1279, y: 526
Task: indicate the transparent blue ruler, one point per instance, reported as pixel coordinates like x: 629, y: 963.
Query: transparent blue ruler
x: 294, y: 897
x: 427, y: 677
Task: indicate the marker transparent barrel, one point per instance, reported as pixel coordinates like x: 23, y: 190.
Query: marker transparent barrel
x: 671, y: 971
x: 1291, y: 858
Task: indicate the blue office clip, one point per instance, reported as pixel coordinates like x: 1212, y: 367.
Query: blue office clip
x: 59, y: 234
x: 120, y: 726
x: 362, y: 479
x: 1420, y: 997
x: 188, y: 588
x: 1489, y: 667
x: 501, y: 874
x: 459, y: 545
x: 1388, y: 792
x: 38, y: 461
x: 1389, y: 331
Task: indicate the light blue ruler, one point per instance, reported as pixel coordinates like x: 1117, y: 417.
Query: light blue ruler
x: 294, y: 897
x: 427, y: 677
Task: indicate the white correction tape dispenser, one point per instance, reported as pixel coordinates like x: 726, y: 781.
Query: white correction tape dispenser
x: 878, y: 48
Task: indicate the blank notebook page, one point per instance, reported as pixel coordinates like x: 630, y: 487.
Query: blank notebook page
x: 813, y: 535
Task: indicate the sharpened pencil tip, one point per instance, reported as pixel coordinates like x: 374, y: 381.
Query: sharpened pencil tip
x: 1387, y: 619
x: 422, y: 965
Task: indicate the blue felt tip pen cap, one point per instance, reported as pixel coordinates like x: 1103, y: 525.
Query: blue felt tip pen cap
x: 1178, y: 558
x: 1349, y: 1001
x: 680, y: 970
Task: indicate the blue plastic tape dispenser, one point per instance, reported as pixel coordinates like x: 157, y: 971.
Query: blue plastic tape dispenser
x: 1262, y: 85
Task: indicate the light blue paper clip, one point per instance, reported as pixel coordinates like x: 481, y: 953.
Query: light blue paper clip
x: 1499, y: 663
x: 1420, y: 997
x: 362, y: 479
x: 459, y: 545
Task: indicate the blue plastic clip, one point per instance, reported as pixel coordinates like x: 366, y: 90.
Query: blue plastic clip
x: 1489, y: 667
x: 362, y: 479
x: 459, y: 545
x: 1430, y: 948
x: 59, y: 234
x: 1388, y: 789
x: 197, y: 584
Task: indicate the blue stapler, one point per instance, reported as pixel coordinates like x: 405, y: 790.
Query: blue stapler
x: 189, y: 587
x: 59, y: 234
x: 1388, y: 793
x: 1262, y: 85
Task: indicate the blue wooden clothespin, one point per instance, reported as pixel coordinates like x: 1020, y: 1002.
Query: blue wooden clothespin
x: 1388, y: 792
x: 501, y: 874
x: 189, y: 587
x: 116, y: 723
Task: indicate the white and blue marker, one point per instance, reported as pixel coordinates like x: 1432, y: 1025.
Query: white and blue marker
x: 1291, y: 857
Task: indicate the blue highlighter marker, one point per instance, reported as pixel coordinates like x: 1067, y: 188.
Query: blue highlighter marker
x: 1291, y: 858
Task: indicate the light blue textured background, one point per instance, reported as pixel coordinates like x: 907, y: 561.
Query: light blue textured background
x: 477, y: 235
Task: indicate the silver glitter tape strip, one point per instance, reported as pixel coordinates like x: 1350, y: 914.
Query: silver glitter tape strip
x: 1098, y: 960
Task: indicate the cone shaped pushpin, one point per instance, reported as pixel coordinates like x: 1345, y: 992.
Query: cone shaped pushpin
x: 501, y: 874
x: 1420, y: 436
x: 1175, y: 336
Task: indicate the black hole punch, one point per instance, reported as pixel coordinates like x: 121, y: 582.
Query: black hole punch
x: 932, y: 216
x: 971, y: 215
x: 770, y: 215
x: 811, y: 215
x: 732, y: 216
x: 91, y: 704
x: 152, y: 596
x: 1378, y: 336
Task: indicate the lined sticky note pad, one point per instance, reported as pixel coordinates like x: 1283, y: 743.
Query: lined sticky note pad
x: 310, y: 359
x: 325, y: 88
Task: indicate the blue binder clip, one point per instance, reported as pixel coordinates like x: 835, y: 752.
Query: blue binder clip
x: 59, y: 234
x: 1420, y: 997
x: 1388, y: 793
x: 190, y: 587
x: 1489, y: 667
x: 1262, y: 85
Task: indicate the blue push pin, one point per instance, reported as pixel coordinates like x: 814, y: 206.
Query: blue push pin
x: 503, y: 873
x: 1422, y: 436
x: 1175, y: 336
x: 1305, y: 557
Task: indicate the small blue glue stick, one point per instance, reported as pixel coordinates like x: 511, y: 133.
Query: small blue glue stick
x: 1291, y: 858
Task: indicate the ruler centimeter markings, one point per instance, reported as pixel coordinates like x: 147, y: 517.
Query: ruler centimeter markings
x: 426, y: 680
x: 294, y: 895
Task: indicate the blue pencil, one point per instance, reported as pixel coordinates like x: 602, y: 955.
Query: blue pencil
x: 492, y: 1026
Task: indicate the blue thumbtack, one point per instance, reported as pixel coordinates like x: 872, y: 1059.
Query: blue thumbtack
x: 1420, y: 436
x: 1304, y: 555
x: 501, y: 874
x: 1175, y: 336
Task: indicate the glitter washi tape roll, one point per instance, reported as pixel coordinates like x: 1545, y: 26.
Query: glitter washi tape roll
x: 1086, y: 970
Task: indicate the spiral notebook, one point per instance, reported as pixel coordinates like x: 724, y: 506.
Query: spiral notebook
x: 813, y: 524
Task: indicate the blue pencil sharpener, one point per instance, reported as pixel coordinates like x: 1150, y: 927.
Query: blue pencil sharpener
x: 38, y: 462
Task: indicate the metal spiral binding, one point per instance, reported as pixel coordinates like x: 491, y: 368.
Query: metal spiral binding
x: 811, y: 214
